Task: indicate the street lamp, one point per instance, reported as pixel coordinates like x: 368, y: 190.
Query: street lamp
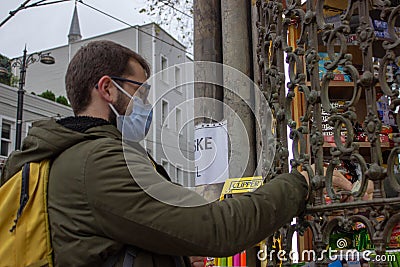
x: 23, y: 64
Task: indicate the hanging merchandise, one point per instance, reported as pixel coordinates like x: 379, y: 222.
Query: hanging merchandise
x: 340, y: 239
x: 339, y: 73
x: 362, y: 240
x: 327, y: 129
x: 358, y: 238
x: 243, y: 259
x: 232, y: 188
x: 336, y: 263
x: 236, y: 260
x: 395, y: 237
x: 382, y: 106
x: 353, y: 264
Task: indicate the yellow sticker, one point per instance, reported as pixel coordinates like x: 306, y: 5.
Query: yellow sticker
x: 241, y: 185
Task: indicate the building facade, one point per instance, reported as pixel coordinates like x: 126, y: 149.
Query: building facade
x: 35, y: 108
x: 170, y: 139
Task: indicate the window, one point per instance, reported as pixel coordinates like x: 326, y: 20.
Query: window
x: 5, y: 138
x: 2, y: 162
x: 179, y: 175
x: 164, y: 113
x: 178, y: 79
x: 178, y: 120
x: 28, y: 126
x: 165, y: 165
x: 164, y: 66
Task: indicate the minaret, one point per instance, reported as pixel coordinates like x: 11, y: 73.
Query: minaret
x: 74, y: 31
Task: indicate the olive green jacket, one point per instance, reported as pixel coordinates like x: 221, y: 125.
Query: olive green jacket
x: 97, y: 204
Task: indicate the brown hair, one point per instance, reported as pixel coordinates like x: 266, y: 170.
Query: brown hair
x: 90, y: 63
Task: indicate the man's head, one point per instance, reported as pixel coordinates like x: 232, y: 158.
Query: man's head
x: 88, y: 80
x: 397, y: 77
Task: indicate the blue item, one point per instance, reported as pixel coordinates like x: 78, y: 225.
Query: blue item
x: 336, y: 263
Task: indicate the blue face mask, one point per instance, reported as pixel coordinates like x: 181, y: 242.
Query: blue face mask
x: 135, y: 126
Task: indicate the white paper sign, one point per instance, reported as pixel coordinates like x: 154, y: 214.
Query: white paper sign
x: 211, y: 153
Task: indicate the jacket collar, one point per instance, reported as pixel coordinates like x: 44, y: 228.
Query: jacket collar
x: 97, y: 128
x: 90, y: 125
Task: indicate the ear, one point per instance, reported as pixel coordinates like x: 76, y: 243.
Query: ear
x: 106, y: 89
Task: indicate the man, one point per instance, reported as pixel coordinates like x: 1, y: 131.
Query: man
x: 97, y: 206
x: 340, y: 182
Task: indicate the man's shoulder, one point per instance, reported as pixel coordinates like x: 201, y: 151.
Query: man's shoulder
x: 108, y: 145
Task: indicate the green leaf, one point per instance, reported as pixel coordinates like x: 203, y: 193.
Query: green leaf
x: 62, y: 100
x: 48, y: 95
x: 5, y: 63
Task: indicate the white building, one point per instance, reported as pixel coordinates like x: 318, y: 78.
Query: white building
x: 177, y: 119
x: 34, y: 108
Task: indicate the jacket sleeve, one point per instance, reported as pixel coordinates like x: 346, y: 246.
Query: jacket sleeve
x: 127, y: 207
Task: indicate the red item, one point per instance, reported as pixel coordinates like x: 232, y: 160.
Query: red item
x: 384, y: 138
x: 338, y: 77
x: 243, y: 259
x: 331, y: 139
x: 361, y: 137
x: 395, y: 237
x: 328, y: 200
x: 386, y: 129
x: 378, y: 96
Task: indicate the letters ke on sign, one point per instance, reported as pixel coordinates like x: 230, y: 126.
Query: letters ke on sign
x: 211, y: 153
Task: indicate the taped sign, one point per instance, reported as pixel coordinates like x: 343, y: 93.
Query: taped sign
x: 211, y: 153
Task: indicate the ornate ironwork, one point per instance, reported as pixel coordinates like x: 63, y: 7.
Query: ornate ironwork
x: 276, y: 20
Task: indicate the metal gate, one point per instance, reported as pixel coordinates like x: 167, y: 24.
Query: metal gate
x: 297, y: 33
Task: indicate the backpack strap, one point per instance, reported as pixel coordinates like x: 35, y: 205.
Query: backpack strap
x: 177, y: 260
x: 24, y: 197
x: 129, y: 253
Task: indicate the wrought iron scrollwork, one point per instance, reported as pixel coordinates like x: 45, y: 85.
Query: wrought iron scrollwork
x: 295, y: 33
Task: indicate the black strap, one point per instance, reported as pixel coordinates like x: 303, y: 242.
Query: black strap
x: 129, y: 258
x: 130, y: 255
x: 187, y: 262
x: 177, y: 260
x: 24, y: 197
x: 160, y: 169
x: 111, y: 261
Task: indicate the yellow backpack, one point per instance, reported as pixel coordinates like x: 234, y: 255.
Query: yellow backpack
x: 24, y: 223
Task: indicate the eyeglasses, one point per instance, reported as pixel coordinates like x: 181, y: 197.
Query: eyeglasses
x: 145, y: 85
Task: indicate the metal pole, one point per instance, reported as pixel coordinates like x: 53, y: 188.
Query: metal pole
x: 208, y: 47
x: 237, y: 54
x: 20, y: 103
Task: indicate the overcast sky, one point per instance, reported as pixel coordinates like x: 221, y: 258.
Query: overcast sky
x: 47, y: 26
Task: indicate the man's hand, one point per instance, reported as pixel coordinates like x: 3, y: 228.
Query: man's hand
x: 197, y: 261
x: 340, y: 182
